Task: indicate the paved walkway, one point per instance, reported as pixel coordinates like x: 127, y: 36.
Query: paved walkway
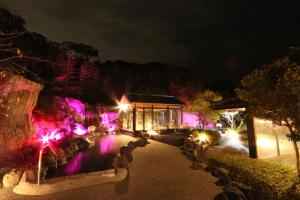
x: 158, y: 171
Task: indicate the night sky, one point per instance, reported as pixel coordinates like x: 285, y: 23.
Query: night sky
x: 224, y: 39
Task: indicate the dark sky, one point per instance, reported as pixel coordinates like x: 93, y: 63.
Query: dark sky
x: 223, y: 38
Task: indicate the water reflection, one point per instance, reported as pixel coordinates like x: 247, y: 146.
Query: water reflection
x: 97, y: 158
x: 107, y: 144
x: 75, y: 165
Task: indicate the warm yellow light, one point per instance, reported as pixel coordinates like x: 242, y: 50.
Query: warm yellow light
x: 263, y: 121
x: 266, y: 142
x: 91, y: 128
x: 123, y: 107
x: 232, y: 133
x: 148, y: 125
x: 152, y: 132
x: 203, y: 137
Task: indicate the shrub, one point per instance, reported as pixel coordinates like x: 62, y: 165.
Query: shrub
x: 268, y: 179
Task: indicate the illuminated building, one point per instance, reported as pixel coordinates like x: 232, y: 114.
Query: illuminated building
x: 150, y: 112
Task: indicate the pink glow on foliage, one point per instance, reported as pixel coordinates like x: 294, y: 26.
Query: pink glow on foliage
x: 54, y: 135
x: 79, y: 129
x: 191, y: 119
x: 109, y: 121
x: 107, y: 144
x: 76, y: 106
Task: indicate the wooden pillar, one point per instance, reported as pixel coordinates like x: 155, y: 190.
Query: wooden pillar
x: 176, y: 118
x: 251, y: 136
x: 143, y: 119
x: 168, y: 117
x: 128, y: 118
x: 181, y: 116
x: 274, y: 131
x: 134, y: 119
x: 152, y: 117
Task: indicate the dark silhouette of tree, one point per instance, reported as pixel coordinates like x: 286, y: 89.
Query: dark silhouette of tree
x: 273, y: 92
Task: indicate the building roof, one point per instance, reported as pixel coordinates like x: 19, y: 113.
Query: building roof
x: 232, y: 103
x: 159, y: 99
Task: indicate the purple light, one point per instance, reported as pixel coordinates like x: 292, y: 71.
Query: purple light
x: 79, y: 129
x: 76, y: 106
x: 191, y: 119
x: 107, y: 144
x: 50, y: 137
x: 75, y: 165
x: 109, y: 121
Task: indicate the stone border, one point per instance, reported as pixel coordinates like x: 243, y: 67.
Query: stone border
x: 63, y: 183
x: 60, y: 184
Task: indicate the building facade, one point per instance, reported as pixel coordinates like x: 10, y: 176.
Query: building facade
x: 150, y: 112
x: 265, y: 138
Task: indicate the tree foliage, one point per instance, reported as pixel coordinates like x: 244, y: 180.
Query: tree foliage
x: 273, y: 92
x: 202, y: 106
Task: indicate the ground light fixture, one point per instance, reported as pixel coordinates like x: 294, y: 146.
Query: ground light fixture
x: 203, y: 137
x: 47, y: 140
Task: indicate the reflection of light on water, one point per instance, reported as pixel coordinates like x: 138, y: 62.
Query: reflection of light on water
x: 75, y: 165
x: 231, y: 138
x: 107, y: 144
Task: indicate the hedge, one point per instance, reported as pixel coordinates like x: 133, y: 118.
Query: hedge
x: 269, y: 180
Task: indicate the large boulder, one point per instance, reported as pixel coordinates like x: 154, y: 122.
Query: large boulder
x: 223, y: 180
x: 17, y: 99
x: 220, y: 172
x: 61, y: 156
x: 120, y: 162
x: 246, y: 189
x: 31, y: 175
x: 131, y: 145
x: 12, y: 178
x: 126, y: 152
x: 234, y: 193
x: 49, y: 160
x: 82, y: 144
x: 69, y: 152
x: 221, y: 196
x: 141, y: 142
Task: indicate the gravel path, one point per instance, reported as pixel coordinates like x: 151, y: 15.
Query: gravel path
x: 158, y: 171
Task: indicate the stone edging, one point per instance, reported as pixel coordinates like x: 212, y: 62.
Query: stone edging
x: 69, y: 182
x: 60, y: 184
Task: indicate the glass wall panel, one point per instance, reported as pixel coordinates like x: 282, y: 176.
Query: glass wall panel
x: 173, y: 118
x: 130, y: 120
x: 178, y: 113
x: 139, y: 119
x: 285, y: 145
x: 124, y: 117
x: 271, y: 139
x: 160, y: 118
x: 148, y: 119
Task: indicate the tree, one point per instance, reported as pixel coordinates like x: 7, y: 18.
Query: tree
x: 273, y: 92
x: 202, y: 106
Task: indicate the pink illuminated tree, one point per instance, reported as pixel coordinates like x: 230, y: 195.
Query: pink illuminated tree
x: 201, y: 105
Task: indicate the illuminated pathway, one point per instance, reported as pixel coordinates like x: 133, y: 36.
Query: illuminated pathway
x: 158, y: 171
